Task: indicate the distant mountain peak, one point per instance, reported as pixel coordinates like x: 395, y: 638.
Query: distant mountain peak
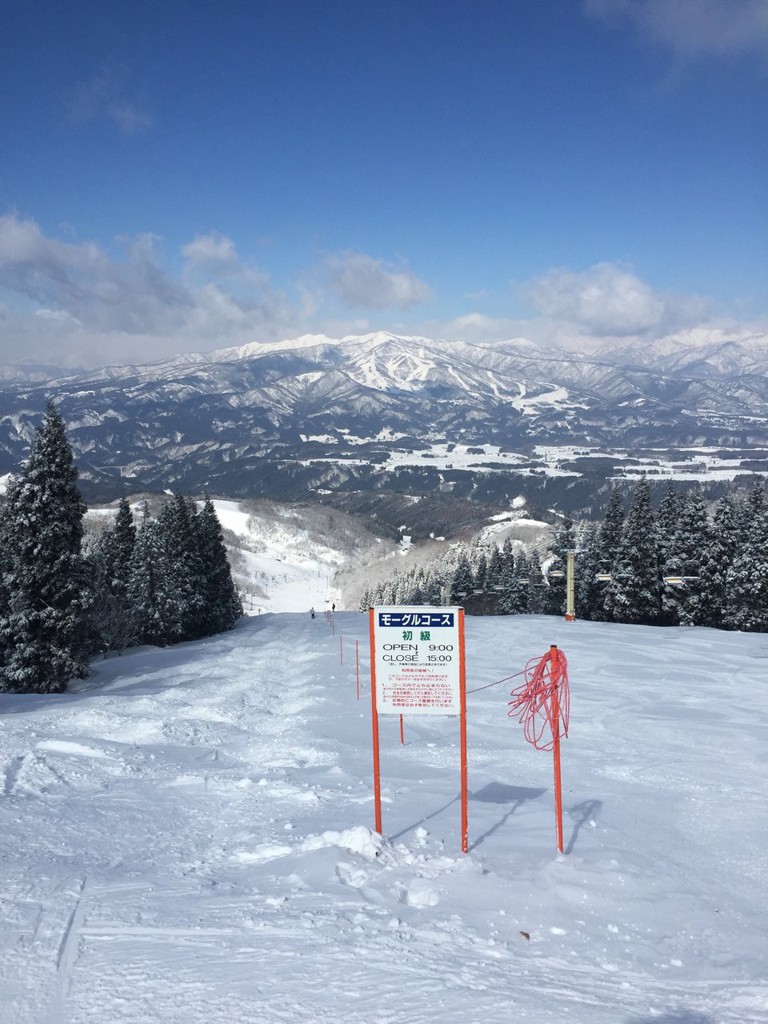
x: 367, y: 412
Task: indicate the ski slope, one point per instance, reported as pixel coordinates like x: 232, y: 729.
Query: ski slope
x: 187, y: 837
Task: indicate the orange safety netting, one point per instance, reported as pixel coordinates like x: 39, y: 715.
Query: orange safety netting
x: 543, y: 701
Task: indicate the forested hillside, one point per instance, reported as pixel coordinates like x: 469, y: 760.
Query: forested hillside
x: 167, y: 580
x: 66, y: 596
x: 678, y: 565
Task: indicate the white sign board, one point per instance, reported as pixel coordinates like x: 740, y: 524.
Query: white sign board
x: 416, y: 651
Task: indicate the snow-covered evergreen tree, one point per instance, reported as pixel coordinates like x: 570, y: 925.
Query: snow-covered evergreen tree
x: 113, y: 624
x: 5, y: 606
x: 122, y: 540
x: 717, y: 558
x: 747, y: 579
x: 514, y: 599
x: 609, y: 541
x: 462, y: 580
x: 668, y: 521
x: 481, y: 570
x: 634, y: 593
x: 536, y: 586
x: 508, y: 552
x: 522, y: 572
x: 494, y: 581
x: 177, y: 522
x: 589, y: 592
x: 151, y: 588
x: 44, y: 631
x: 221, y: 603
x: 555, y: 593
x: 682, y: 603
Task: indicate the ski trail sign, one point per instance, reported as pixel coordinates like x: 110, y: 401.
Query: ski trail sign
x: 417, y: 668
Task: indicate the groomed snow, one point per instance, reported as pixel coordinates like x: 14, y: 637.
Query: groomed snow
x: 187, y: 837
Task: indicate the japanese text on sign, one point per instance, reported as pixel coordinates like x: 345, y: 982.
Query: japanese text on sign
x: 419, y: 618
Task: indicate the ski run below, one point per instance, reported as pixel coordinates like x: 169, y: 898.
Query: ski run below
x: 188, y: 837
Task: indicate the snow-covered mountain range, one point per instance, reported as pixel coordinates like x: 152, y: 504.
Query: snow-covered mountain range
x: 381, y: 412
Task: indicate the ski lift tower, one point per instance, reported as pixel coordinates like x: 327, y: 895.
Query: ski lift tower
x: 570, y: 589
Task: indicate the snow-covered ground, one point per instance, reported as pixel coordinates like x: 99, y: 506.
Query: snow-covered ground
x: 279, y: 571
x: 276, y: 567
x: 187, y: 837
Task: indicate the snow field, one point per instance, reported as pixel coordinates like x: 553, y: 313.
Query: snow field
x: 283, y: 574
x: 187, y: 837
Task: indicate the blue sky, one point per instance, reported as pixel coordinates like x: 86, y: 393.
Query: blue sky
x: 188, y: 176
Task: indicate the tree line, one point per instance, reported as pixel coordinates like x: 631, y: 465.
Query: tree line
x: 62, y: 602
x: 678, y: 565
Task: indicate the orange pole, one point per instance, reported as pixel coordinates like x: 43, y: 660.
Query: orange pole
x: 402, y: 732
x: 463, y: 728
x: 375, y: 727
x: 357, y: 667
x: 553, y: 672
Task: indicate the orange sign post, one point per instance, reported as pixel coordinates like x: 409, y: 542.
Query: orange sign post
x: 541, y: 703
x: 418, y: 668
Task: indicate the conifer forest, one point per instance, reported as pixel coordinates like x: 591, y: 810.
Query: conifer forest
x: 62, y: 602
x: 678, y: 565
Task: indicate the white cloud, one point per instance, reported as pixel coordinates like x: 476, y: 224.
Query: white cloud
x: 694, y: 27
x: 211, y: 252
x: 476, y: 327
x: 363, y: 282
x: 109, y: 96
x: 68, y: 303
x: 88, y: 301
x: 609, y: 300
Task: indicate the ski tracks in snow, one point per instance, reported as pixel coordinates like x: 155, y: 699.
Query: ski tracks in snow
x: 189, y: 843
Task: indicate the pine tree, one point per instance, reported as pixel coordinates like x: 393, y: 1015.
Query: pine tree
x: 535, y: 584
x: 634, y: 592
x: 44, y: 632
x: 612, y: 529
x: 717, y: 558
x: 589, y: 591
x: 515, y: 594
x: 747, y: 579
x: 5, y: 598
x: 151, y: 588
x: 508, y: 553
x: 113, y: 623
x: 609, y: 541
x: 122, y: 541
x: 525, y: 568
x: 462, y: 580
x: 668, y: 520
x: 555, y: 594
x: 682, y: 602
x: 481, y: 571
x: 177, y: 522
x: 494, y: 582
